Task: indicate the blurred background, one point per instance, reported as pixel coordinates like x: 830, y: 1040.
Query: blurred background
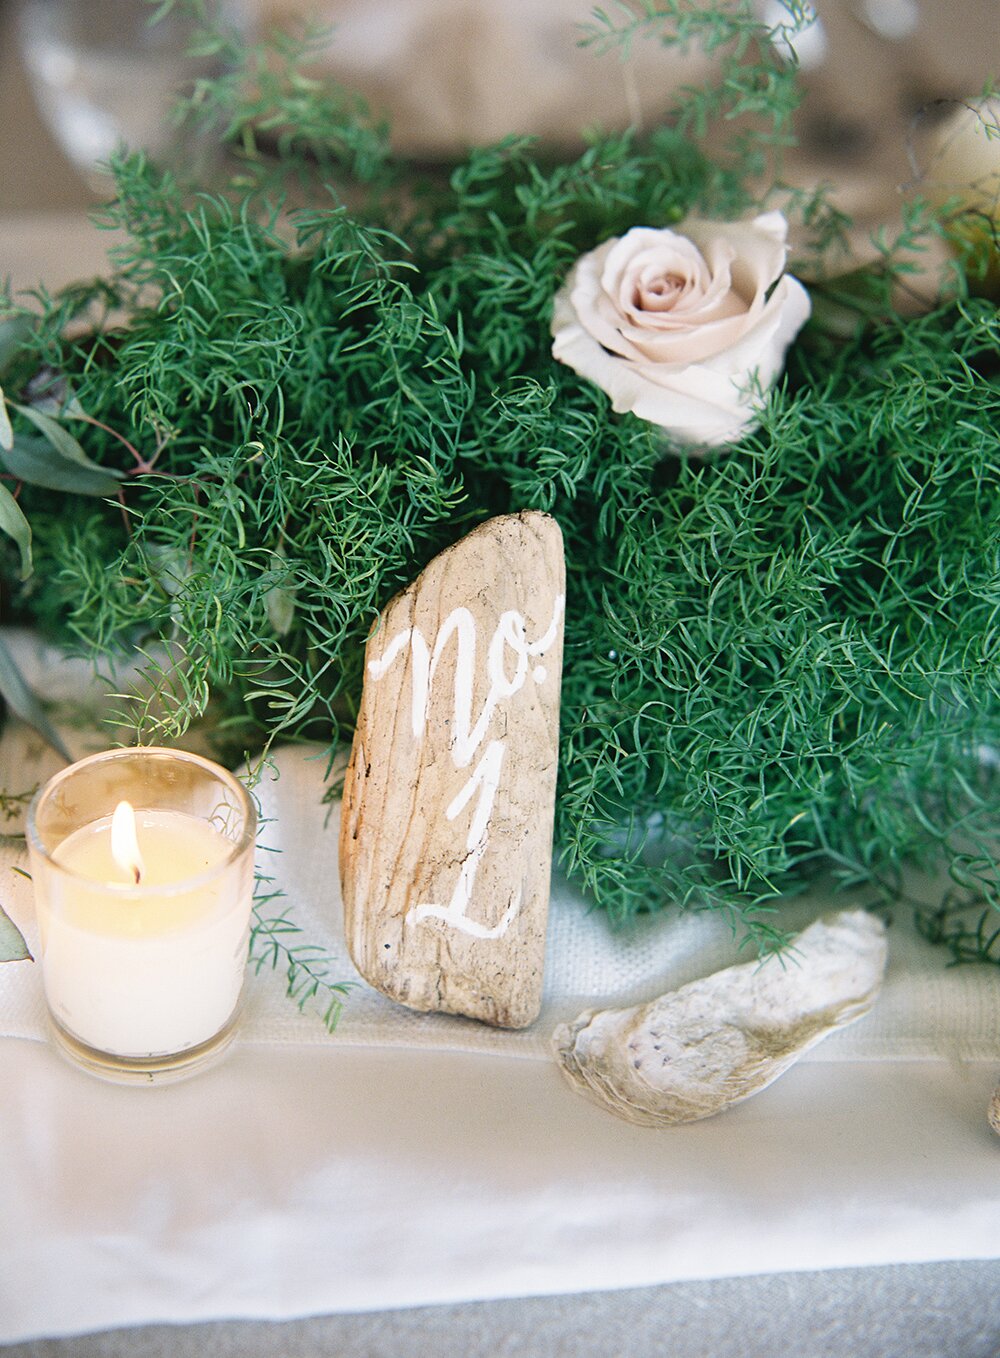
x: 76, y: 75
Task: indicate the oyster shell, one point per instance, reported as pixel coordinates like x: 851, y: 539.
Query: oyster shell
x: 694, y: 1051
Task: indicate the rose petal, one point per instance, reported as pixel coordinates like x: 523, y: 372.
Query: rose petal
x: 762, y: 348
x: 669, y: 256
x: 697, y: 408
x: 696, y: 405
x: 686, y: 346
x: 640, y: 255
x: 759, y: 248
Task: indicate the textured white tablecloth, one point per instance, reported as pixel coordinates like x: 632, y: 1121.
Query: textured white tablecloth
x: 294, y: 1181
x: 409, y: 1159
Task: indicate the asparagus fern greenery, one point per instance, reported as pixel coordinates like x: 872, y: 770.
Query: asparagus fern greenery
x: 271, y: 417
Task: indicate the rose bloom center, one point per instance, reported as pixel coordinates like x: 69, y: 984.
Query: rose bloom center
x: 659, y: 293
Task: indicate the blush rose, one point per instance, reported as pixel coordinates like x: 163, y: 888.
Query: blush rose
x: 688, y: 329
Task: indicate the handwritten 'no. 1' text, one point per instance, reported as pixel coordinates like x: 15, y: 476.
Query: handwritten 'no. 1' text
x: 466, y: 738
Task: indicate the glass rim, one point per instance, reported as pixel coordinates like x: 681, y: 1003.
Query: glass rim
x: 126, y: 889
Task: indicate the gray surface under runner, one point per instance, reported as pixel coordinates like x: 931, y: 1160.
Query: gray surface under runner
x: 944, y: 1310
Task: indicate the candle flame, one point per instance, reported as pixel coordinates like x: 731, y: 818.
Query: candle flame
x: 125, y: 842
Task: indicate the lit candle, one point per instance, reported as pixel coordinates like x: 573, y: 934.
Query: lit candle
x: 142, y: 862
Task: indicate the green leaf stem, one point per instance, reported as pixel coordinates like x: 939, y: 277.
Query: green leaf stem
x: 40, y: 463
x: 16, y: 526
x: 61, y: 440
x: 23, y: 703
x: 6, y: 432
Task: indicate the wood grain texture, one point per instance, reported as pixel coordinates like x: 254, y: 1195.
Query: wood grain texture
x: 449, y: 798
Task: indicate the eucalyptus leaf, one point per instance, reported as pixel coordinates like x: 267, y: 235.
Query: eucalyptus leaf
x: 16, y: 526
x: 24, y: 704
x: 36, y: 461
x: 6, y: 433
x: 70, y: 409
x: 61, y: 439
x: 280, y: 606
x: 14, y: 330
x: 12, y: 945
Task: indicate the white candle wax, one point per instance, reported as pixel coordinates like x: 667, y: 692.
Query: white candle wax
x: 150, y: 968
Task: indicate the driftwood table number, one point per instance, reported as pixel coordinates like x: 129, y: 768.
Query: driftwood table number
x: 449, y: 798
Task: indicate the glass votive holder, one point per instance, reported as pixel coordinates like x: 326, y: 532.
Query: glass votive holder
x: 143, y: 928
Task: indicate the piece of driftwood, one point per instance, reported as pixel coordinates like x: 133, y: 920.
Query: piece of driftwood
x: 449, y: 798
x: 695, y: 1051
